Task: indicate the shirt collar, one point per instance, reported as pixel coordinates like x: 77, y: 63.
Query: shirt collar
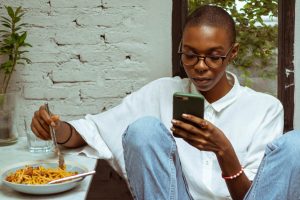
x: 226, y: 100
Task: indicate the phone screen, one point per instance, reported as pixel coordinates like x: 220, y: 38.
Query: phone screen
x: 189, y: 104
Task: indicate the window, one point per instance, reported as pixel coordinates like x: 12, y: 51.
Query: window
x: 285, y: 71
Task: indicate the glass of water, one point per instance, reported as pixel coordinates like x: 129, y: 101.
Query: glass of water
x: 37, y: 145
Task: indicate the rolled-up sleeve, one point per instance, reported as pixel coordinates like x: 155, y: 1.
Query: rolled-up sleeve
x: 88, y: 130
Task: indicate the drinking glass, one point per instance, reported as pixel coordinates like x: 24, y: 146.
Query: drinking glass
x: 37, y: 145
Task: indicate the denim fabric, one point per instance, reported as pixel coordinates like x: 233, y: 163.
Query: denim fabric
x: 154, y: 170
x: 152, y: 162
x: 278, y: 177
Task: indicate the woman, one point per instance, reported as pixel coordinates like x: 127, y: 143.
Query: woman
x: 229, y: 142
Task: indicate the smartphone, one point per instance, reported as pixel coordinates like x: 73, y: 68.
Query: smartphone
x: 187, y: 103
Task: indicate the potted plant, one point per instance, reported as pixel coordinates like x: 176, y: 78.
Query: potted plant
x: 12, y: 44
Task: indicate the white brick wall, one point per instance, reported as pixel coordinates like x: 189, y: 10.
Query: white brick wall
x: 87, y: 55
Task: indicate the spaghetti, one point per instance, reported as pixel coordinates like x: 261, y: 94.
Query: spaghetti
x: 37, y: 175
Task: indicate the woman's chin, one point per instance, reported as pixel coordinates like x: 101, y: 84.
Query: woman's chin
x: 203, y: 86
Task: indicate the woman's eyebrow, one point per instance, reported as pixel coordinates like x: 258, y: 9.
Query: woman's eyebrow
x: 217, y: 48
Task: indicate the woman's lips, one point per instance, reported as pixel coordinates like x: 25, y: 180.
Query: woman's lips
x: 201, y: 81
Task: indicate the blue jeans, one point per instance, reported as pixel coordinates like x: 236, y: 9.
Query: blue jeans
x: 278, y: 176
x: 154, y: 170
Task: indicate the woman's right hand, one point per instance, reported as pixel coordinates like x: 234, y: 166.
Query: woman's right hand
x: 41, y: 121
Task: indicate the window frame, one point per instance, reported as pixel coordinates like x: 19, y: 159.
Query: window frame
x: 285, y: 75
x: 285, y: 72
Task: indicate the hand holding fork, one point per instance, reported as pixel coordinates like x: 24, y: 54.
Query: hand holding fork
x: 61, y: 160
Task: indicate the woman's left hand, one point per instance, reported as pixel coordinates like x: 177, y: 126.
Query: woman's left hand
x: 201, y: 134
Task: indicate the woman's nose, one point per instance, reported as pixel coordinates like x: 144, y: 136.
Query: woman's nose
x: 201, y: 65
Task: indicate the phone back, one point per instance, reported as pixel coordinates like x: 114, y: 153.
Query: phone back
x: 187, y: 103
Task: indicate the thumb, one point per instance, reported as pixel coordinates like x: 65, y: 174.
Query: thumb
x: 54, y: 119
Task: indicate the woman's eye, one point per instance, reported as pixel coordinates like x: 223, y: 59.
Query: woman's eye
x: 189, y: 56
x: 214, y: 58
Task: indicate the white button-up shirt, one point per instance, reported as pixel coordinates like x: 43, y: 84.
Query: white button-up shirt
x: 249, y: 120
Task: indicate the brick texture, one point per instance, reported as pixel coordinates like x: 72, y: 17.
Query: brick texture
x: 88, y: 55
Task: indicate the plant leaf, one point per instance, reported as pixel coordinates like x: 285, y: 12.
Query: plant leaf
x: 12, y: 39
x: 9, y: 41
x: 20, y: 63
x: 4, y: 19
x: 28, y: 61
x: 18, y: 10
x: 7, y: 66
x: 5, y: 22
x: 4, y: 31
x: 21, y: 52
x: 23, y: 24
x: 10, y: 11
x: 21, y: 15
x: 18, y: 28
x: 6, y: 25
x: 26, y: 45
x: 22, y: 38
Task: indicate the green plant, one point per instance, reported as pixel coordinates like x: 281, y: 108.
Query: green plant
x: 258, y: 41
x: 13, y: 40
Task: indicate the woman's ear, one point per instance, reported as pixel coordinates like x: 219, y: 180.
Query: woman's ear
x: 234, y: 51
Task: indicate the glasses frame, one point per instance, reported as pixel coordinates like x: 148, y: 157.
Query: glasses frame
x: 199, y: 57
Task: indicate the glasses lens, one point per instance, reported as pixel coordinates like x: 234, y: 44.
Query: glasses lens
x: 213, y: 62
x: 189, y: 60
x: 192, y: 60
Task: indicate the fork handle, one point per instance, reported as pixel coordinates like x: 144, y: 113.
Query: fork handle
x: 53, y: 136
x: 72, y: 177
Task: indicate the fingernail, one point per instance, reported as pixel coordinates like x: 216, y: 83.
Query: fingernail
x: 185, y: 115
x: 53, y: 124
x: 203, y: 124
x: 174, y: 121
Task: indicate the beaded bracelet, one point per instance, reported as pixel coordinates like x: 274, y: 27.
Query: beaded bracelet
x: 233, y: 176
x: 67, y: 140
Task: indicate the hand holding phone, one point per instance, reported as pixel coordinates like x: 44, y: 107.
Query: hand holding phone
x: 196, y: 131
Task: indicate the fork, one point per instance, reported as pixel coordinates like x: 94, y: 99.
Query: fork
x: 61, y: 160
x: 72, y: 177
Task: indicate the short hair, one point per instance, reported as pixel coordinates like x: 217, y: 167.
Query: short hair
x: 213, y: 16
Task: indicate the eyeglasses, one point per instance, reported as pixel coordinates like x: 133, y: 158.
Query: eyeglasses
x: 191, y: 59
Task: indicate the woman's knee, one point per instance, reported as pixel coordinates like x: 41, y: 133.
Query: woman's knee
x: 290, y: 144
x: 142, y: 132
x: 292, y: 138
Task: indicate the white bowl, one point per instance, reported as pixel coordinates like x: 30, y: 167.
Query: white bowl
x: 45, y: 188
